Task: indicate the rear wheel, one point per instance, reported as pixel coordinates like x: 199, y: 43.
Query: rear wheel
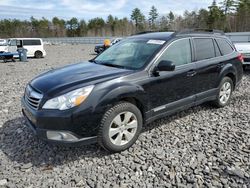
x: 120, y: 127
x: 225, y: 92
x: 38, y: 54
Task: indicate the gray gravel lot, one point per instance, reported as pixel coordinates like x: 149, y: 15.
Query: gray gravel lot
x: 199, y: 147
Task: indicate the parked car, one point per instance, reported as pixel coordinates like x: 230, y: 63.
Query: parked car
x: 140, y: 79
x: 114, y: 41
x: 99, y: 48
x: 33, y: 45
x: 244, y: 49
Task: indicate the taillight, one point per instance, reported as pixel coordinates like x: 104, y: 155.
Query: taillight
x: 241, y: 58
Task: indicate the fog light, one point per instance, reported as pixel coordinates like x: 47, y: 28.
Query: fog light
x: 60, y: 136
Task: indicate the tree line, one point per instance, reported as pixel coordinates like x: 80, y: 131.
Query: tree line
x: 229, y: 16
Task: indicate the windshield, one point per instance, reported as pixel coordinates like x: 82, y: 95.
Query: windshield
x: 129, y: 54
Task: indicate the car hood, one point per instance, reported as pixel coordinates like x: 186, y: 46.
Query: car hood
x: 71, y: 76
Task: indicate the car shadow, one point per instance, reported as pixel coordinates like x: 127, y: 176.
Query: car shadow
x: 178, y: 115
x: 247, y: 71
x: 19, y: 144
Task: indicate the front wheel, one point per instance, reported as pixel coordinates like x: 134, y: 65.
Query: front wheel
x: 120, y: 127
x: 224, y: 93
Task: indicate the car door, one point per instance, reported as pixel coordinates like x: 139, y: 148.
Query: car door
x: 170, y: 90
x: 209, y: 65
x: 12, y: 45
x: 27, y: 44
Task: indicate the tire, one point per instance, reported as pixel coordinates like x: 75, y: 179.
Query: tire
x: 38, y: 54
x: 225, y: 92
x: 118, y: 118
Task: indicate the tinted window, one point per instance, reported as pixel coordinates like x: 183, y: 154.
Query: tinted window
x: 225, y: 47
x: 204, y: 49
x: 217, y: 50
x: 31, y: 42
x: 179, y: 52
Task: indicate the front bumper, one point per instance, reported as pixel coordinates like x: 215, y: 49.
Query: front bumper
x: 59, y: 124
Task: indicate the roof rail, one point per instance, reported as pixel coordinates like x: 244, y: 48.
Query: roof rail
x: 199, y: 30
x: 145, y: 32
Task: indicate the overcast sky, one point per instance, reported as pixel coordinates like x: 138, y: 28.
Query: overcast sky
x: 87, y: 9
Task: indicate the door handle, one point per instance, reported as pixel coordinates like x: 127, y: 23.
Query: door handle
x: 191, y: 73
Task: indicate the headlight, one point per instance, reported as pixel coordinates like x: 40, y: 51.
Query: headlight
x: 69, y: 100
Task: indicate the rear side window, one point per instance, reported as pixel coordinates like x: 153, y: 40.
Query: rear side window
x: 217, y: 50
x: 204, y: 48
x: 178, y: 52
x: 224, y: 46
x: 31, y: 42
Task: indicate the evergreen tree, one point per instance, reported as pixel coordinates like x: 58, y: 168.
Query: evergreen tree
x: 138, y: 18
x: 153, y: 15
x: 216, y: 18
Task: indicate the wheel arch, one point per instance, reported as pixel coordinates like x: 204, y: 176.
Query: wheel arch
x: 137, y: 103
x: 233, y: 78
x: 228, y: 71
x: 124, y: 92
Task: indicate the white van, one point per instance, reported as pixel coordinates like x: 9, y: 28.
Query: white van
x: 33, y: 45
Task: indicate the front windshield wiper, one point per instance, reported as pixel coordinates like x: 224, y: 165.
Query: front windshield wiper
x: 113, y: 65
x: 93, y: 61
x: 107, y: 64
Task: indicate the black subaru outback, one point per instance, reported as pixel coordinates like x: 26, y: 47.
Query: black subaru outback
x: 138, y: 80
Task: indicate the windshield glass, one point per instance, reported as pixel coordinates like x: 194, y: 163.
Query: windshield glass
x: 130, y: 53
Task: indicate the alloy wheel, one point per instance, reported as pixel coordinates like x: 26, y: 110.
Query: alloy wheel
x: 123, y: 128
x: 225, y: 92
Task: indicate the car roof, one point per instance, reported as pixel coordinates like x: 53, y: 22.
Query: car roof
x: 202, y: 34
x: 153, y: 35
x: 26, y: 38
x: 169, y: 35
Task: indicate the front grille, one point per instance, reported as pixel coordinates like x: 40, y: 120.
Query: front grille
x: 32, y: 97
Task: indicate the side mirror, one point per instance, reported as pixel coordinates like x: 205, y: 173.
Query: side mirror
x: 166, y: 66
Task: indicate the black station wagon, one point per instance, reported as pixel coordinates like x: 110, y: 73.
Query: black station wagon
x: 138, y: 80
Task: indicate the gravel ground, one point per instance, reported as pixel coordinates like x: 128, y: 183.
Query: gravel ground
x: 199, y: 147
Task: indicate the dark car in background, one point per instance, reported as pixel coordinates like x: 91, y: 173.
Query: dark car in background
x: 101, y: 47
x: 140, y: 79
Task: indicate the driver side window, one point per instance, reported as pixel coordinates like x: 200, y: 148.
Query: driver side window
x: 179, y: 52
